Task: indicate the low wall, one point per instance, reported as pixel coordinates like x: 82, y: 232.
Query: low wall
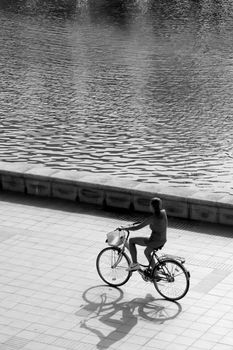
x: 111, y: 191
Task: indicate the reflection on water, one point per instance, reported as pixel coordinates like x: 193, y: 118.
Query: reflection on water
x: 139, y: 88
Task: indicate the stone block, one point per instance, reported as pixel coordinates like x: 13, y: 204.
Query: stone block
x: 118, y: 184
x: 226, y: 216
x: 203, y: 212
x: 176, y: 208
x: 207, y: 198
x: 13, y: 182
x: 147, y: 190
x: 141, y: 203
x: 118, y: 199
x: 18, y: 168
x: 68, y: 176
x: 227, y: 201
x: 39, y: 172
x: 64, y: 190
x: 12, y: 175
x: 38, y: 187
x: 91, y: 195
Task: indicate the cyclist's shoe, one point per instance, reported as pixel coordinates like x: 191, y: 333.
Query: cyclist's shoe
x: 157, y: 278
x: 133, y: 267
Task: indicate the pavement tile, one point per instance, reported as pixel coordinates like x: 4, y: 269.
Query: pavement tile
x: 66, y: 343
x: 203, y: 344
x: 27, y: 334
x: 220, y: 346
x: 156, y: 344
x: 173, y: 346
x: 17, y: 342
x: 4, y: 337
x: 33, y: 345
x: 51, y: 295
x: 185, y: 340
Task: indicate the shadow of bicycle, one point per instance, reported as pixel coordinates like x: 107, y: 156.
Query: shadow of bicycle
x: 105, y: 304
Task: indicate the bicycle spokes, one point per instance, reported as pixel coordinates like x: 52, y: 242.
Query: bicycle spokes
x: 171, y: 280
x: 112, y: 266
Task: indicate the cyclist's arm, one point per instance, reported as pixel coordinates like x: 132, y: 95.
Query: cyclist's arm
x: 138, y: 226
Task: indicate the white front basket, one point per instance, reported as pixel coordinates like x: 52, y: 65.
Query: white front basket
x: 115, y: 238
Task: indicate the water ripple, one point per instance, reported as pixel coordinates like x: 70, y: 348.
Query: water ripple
x: 136, y: 101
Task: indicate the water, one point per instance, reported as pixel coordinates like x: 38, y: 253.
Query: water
x: 133, y: 89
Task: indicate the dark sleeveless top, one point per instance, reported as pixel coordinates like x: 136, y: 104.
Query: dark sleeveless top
x: 158, y: 227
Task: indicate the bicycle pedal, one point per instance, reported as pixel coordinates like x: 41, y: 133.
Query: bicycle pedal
x: 144, y: 277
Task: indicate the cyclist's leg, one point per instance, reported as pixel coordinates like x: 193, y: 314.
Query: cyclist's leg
x: 148, y: 251
x: 132, y: 246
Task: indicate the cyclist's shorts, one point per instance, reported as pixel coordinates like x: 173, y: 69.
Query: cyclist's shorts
x: 153, y: 244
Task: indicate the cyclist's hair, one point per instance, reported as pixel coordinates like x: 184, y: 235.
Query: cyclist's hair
x: 156, y: 204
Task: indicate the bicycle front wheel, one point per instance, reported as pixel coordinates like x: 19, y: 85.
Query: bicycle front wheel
x: 171, y: 279
x: 111, y: 265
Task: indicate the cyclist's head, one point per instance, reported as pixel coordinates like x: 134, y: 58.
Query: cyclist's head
x: 156, y: 205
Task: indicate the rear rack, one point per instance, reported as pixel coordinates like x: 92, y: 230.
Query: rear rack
x: 175, y: 257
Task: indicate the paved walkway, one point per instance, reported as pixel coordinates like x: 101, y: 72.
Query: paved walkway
x: 52, y: 298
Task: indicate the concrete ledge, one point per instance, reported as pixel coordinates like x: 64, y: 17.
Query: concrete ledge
x: 65, y: 184
x: 203, y: 212
x: 104, y: 189
x: 141, y: 202
x: 225, y: 216
x: 117, y: 199
x: 38, y: 181
x: 13, y: 183
x: 91, y: 196
x: 64, y: 191
x: 176, y: 208
x: 12, y: 176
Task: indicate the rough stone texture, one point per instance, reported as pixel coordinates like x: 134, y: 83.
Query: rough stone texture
x: 38, y: 181
x: 68, y: 176
x: 147, y: 190
x: 118, y: 199
x: 64, y: 191
x: 38, y: 187
x: 16, y: 168
x: 204, y: 213
x: 176, y: 208
x: 39, y: 172
x: 216, y: 199
x: 142, y: 203
x: 226, y: 216
x: 96, y: 180
x: 91, y: 195
x: 227, y: 201
x: 12, y: 175
x: 13, y: 182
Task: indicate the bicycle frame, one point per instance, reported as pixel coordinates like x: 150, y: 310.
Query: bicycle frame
x: 122, y: 249
x: 154, y: 256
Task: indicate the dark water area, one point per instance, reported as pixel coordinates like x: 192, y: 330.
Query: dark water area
x: 140, y: 89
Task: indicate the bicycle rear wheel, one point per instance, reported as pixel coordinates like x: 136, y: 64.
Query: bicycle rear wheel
x: 111, y: 265
x: 171, y: 279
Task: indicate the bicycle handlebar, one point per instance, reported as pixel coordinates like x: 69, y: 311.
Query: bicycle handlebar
x: 128, y: 228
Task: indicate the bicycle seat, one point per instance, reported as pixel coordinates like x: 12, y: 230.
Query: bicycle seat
x: 156, y: 249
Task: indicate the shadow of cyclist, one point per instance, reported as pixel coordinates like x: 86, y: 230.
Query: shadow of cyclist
x: 121, y: 325
x: 123, y: 316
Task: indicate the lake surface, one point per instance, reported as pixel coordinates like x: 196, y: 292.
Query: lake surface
x: 138, y: 89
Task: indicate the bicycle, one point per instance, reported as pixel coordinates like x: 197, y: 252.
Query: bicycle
x: 170, y: 277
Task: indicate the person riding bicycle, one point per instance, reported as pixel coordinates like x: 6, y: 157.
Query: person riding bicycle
x: 158, y: 225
